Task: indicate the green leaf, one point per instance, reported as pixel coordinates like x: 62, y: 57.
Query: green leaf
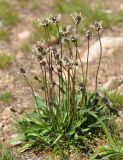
x: 95, y: 154
x: 27, y: 146
x: 106, y: 152
x: 76, y: 136
x: 59, y: 136
x: 41, y: 103
x: 85, y: 130
x: 46, y: 130
x: 64, y: 118
x: 112, y: 143
x: 78, y: 124
x: 72, y: 132
x: 17, y: 140
x: 33, y: 135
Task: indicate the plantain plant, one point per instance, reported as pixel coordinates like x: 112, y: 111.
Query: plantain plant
x: 67, y: 117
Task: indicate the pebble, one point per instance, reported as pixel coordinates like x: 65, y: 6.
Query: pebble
x: 24, y: 35
x: 1, y: 125
x: 6, y: 114
x: 109, y: 46
x: 13, y: 137
x: 113, y: 83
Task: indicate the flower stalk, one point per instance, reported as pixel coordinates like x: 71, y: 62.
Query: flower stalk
x: 58, y: 70
x: 100, y: 58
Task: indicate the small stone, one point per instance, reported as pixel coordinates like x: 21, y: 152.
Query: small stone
x: 109, y: 46
x: 5, y: 129
x: 120, y: 89
x: 1, y: 24
x: 13, y: 109
x: 108, y: 11
x: 6, y: 114
x: 1, y: 125
x: 113, y: 83
x: 24, y: 35
x: 76, y: 156
x: 2, y: 139
x: 14, y: 137
x: 20, y: 111
x: 121, y: 6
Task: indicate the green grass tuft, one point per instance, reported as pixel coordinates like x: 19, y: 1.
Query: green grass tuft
x: 94, y: 13
x: 6, y: 97
x: 59, y: 132
x: 39, y: 33
x: 30, y: 5
x: 4, y: 35
x: 25, y: 48
x: 5, y: 61
x: 116, y: 98
x: 118, y: 17
x: 5, y: 153
x: 7, y: 14
x: 8, y: 18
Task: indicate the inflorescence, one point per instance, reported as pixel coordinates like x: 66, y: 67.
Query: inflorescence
x: 58, y: 69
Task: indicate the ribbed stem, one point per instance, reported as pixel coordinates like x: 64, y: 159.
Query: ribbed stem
x: 44, y: 80
x: 82, y: 67
x: 86, y: 76
x: 98, y: 68
x: 33, y: 93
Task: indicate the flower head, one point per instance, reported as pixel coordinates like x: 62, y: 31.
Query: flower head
x: 97, y: 25
x: 89, y: 34
x: 82, y: 87
x: 55, y: 19
x: 51, y: 50
x: 39, y: 58
x: 65, y: 39
x: 74, y: 38
x: 43, y: 63
x: 57, y: 56
x: 77, y: 17
x: 69, y: 62
x: 74, y: 62
x: 22, y: 70
x: 54, y: 50
x: 52, y: 84
x: 36, y: 78
x: 44, y: 22
x: 38, y: 47
x: 64, y: 31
